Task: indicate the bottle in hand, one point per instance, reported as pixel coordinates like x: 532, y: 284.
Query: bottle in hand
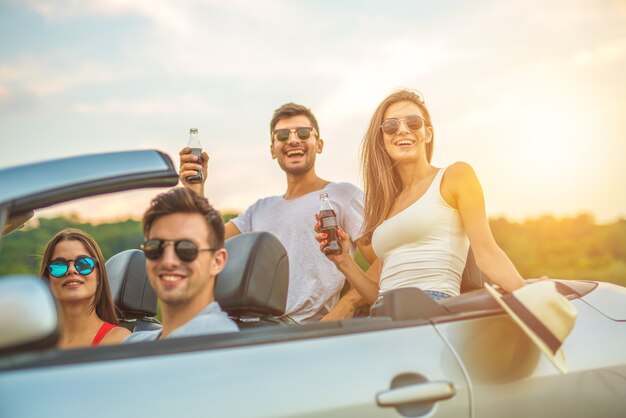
x: 196, y: 149
x: 328, y: 225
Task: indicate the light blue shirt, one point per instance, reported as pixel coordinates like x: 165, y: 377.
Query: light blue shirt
x: 210, y: 320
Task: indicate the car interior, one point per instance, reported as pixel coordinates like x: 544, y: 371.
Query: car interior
x: 252, y: 289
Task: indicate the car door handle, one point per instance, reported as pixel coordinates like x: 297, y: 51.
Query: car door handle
x: 420, y: 392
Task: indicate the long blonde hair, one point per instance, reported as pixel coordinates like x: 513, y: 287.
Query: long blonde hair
x: 381, y: 180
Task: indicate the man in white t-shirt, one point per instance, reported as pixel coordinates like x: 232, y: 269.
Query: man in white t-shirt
x: 314, y: 282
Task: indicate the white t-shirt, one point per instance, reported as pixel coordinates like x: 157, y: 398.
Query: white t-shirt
x: 314, y: 281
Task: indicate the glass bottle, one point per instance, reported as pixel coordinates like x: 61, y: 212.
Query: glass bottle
x: 328, y: 225
x: 196, y: 149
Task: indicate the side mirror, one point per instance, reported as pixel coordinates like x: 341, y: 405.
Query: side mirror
x: 30, y: 319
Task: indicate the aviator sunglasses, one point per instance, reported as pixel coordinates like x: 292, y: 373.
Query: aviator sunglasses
x: 83, y: 265
x: 185, y: 250
x: 303, y: 134
x: 391, y: 126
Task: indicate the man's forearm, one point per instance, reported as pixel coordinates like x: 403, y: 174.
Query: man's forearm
x: 353, y: 298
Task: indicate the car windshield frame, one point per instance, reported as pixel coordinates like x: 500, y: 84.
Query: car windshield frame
x: 34, y: 186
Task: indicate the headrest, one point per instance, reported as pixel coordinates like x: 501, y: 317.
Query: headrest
x: 130, y: 288
x: 472, y: 277
x: 256, y: 276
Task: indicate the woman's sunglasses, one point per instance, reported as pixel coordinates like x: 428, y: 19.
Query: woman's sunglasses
x: 83, y: 265
x: 303, y: 134
x: 185, y: 250
x: 391, y: 126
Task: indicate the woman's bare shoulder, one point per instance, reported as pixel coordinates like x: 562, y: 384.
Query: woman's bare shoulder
x: 460, y: 170
x: 459, y: 174
x: 115, y: 336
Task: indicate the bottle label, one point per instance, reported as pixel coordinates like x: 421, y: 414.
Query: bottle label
x: 329, y: 223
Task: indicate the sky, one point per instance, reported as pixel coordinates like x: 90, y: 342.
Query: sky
x: 530, y: 93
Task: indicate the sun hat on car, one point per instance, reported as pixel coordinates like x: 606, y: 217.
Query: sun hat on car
x: 545, y: 315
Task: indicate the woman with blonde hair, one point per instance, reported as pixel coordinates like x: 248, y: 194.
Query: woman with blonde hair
x: 74, y: 266
x: 419, y: 219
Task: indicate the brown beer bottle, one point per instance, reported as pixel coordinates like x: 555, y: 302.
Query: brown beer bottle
x: 328, y: 225
x: 196, y: 149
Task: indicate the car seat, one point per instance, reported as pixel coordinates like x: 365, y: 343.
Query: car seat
x: 472, y: 278
x: 407, y: 303
x: 252, y: 288
x: 132, y: 293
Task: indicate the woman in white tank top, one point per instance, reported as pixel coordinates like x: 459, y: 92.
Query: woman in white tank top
x: 419, y: 219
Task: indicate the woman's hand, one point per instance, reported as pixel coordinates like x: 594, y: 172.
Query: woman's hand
x: 367, y: 287
x: 343, y: 240
x: 190, y: 166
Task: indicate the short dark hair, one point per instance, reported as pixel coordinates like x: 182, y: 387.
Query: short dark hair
x: 181, y: 200
x: 289, y: 110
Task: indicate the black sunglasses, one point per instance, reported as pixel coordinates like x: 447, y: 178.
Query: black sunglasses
x: 303, y: 134
x: 185, y: 250
x: 391, y: 126
x: 83, y: 265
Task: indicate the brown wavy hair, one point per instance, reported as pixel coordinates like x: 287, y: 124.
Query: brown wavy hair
x: 381, y: 181
x: 182, y: 200
x: 102, y: 301
x: 289, y: 110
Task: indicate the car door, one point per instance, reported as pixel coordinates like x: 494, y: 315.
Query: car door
x: 510, y: 376
x: 312, y: 370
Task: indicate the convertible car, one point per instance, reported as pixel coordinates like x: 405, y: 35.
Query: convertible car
x: 413, y: 357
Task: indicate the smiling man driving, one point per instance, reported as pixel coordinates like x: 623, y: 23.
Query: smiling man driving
x: 184, y: 251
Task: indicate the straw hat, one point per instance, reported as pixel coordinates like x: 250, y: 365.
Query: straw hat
x: 545, y: 315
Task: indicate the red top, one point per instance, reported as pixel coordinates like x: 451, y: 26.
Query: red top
x: 104, y: 329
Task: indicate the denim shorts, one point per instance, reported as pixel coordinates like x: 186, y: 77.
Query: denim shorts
x: 437, y: 295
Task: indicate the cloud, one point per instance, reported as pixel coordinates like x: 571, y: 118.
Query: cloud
x: 178, y: 18
x: 44, y: 77
x: 8, y: 73
x: 608, y: 53
x: 493, y: 72
x: 15, y: 101
x: 149, y: 106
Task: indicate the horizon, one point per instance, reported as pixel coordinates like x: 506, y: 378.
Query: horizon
x: 77, y: 211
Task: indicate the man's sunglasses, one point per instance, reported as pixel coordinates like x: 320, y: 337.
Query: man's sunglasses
x: 303, y: 134
x: 185, y: 250
x: 391, y: 126
x: 83, y: 265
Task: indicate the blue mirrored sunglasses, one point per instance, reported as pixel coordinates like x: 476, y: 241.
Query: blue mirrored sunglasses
x: 83, y: 265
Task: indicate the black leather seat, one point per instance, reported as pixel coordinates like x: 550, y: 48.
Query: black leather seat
x: 472, y: 278
x: 132, y: 293
x: 252, y: 288
x: 472, y: 297
x: 408, y: 303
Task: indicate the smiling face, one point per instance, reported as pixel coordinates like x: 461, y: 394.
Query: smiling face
x: 73, y: 287
x: 406, y: 145
x: 294, y: 155
x: 178, y: 283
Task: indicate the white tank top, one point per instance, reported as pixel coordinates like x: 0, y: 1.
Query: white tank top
x: 423, y: 246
